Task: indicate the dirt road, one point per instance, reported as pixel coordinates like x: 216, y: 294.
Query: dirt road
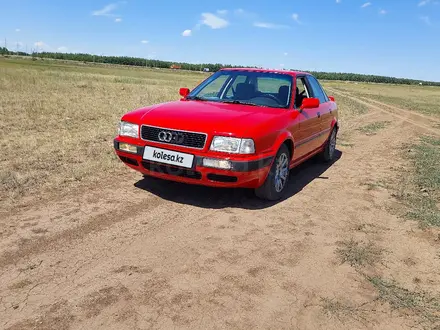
x: 148, y: 254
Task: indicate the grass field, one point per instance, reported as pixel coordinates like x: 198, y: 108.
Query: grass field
x: 59, y: 120
x: 422, y: 99
x: 354, y: 247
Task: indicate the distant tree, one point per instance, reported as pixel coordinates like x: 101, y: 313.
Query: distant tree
x: 136, y: 61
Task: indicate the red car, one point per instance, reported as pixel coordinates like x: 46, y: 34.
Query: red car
x: 238, y: 128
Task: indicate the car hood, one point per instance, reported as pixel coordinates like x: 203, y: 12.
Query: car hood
x: 203, y: 116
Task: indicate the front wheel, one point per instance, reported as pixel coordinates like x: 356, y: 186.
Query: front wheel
x: 276, y: 182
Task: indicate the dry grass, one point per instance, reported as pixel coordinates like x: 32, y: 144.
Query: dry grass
x: 338, y: 309
x: 421, y: 304
x: 359, y: 254
x: 347, y: 109
x: 373, y: 128
x: 420, y: 191
x: 422, y: 99
x: 59, y: 121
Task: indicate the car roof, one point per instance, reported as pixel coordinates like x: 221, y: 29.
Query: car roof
x: 293, y: 73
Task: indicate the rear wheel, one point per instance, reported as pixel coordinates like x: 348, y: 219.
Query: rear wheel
x: 330, y: 147
x: 276, y: 182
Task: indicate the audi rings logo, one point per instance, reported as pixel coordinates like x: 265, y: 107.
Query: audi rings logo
x: 168, y: 137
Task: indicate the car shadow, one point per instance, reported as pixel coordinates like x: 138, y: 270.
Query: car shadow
x: 218, y: 198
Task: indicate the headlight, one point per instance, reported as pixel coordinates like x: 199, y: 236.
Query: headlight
x: 232, y: 145
x: 128, y: 129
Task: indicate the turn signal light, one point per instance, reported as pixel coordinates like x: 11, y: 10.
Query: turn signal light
x: 217, y: 163
x: 128, y: 148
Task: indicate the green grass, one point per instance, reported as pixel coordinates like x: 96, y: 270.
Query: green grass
x: 423, y: 202
x: 346, y: 104
x: 421, y: 99
x: 346, y: 144
x: 421, y: 304
x: 375, y: 185
x: 373, y: 128
x: 358, y: 254
x: 338, y: 309
x: 421, y: 105
x: 419, y: 189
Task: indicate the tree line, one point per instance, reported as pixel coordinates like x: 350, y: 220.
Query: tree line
x: 212, y: 67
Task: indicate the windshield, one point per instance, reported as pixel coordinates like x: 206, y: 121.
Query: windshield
x: 265, y: 89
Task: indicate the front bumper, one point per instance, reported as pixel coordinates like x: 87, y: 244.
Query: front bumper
x: 245, y: 173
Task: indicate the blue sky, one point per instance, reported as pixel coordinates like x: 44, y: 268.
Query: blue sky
x: 387, y: 37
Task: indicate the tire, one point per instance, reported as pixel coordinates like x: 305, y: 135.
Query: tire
x: 274, y: 186
x: 330, y: 147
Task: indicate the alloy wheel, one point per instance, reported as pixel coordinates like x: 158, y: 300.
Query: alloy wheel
x: 332, y: 144
x: 282, y: 172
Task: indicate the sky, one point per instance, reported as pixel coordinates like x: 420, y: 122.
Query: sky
x: 399, y: 38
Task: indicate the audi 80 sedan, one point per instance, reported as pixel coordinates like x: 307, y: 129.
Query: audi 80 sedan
x: 238, y: 128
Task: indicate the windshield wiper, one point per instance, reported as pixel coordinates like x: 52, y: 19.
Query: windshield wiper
x: 196, y: 98
x: 240, y: 102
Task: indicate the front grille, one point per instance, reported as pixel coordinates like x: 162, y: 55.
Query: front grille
x: 172, y: 170
x: 181, y: 138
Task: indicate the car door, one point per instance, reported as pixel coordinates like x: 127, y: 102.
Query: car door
x: 325, y: 109
x: 309, y: 121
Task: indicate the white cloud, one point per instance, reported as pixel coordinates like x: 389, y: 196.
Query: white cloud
x: 244, y: 14
x: 62, y: 49
x: 106, y: 11
x: 214, y: 22
x: 285, y: 54
x: 382, y: 12
x: 118, y: 20
x: 187, y: 33
x: 40, y: 45
x: 424, y: 2
x: 295, y: 17
x: 144, y: 41
x: 270, y: 25
x: 338, y: 1
x: 366, y: 4
x: 17, y: 30
x: 222, y: 11
x: 426, y: 19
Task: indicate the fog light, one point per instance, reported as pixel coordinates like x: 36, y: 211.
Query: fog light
x: 128, y: 148
x: 217, y: 163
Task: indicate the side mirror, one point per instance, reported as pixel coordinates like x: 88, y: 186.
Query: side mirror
x: 184, y: 91
x: 310, y: 103
x: 332, y: 98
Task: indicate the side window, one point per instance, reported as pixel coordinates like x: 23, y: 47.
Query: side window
x: 233, y: 86
x: 301, y: 91
x: 317, y: 89
x: 322, y: 90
